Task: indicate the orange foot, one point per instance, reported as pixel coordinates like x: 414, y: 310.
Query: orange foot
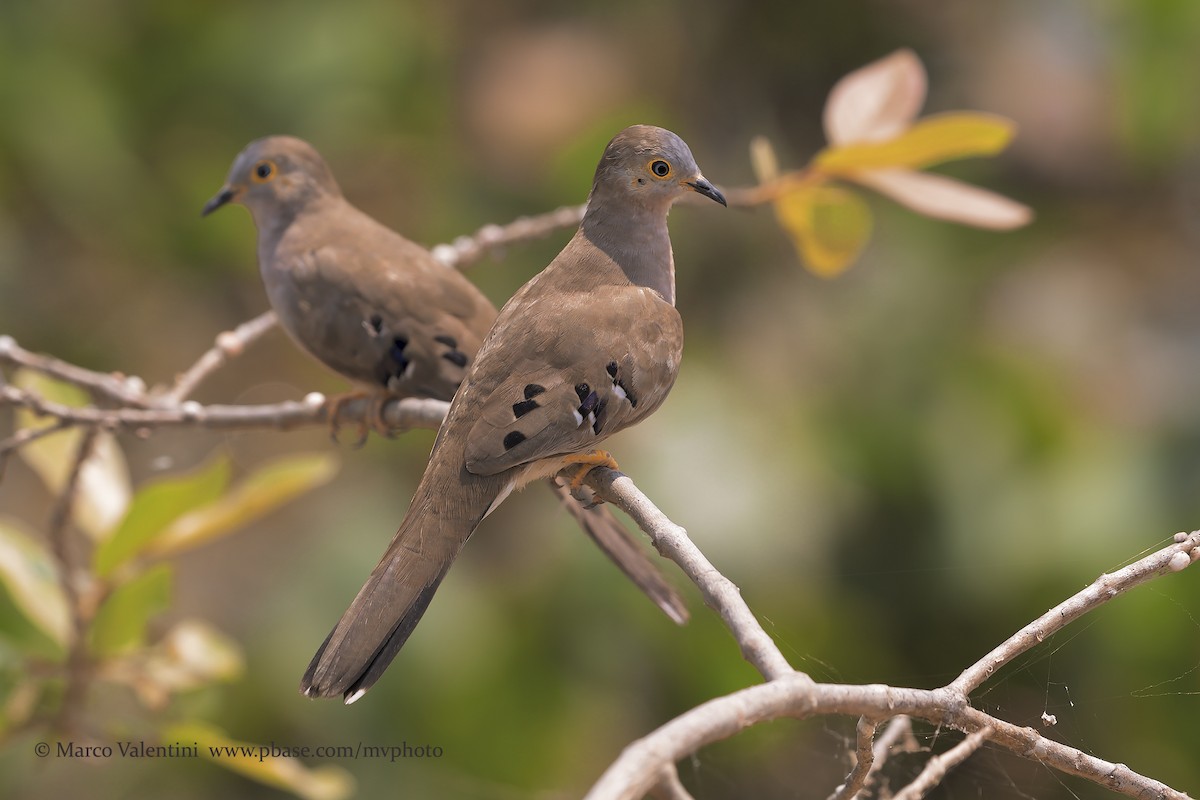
x: 585, y: 463
x: 372, y: 418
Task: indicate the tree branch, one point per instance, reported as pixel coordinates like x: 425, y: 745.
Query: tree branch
x: 1104, y: 589
x: 720, y: 594
x: 638, y: 767
x: 941, y: 764
x: 228, y: 345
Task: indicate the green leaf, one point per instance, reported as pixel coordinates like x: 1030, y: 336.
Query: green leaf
x: 103, y: 490
x: 829, y: 226
x: 942, y: 137
x: 120, y: 624
x: 29, y: 576
x: 262, y: 763
x: 155, y: 506
x: 261, y: 492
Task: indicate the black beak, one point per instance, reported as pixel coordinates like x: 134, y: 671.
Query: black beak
x: 702, y: 186
x: 222, y: 197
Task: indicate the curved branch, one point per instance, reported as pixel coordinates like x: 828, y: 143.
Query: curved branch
x: 637, y: 768
x: 228, y: 345
x: 720, y: 594
x: 1105, y: 588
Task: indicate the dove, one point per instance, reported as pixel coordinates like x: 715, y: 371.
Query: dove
x: 589, y: 346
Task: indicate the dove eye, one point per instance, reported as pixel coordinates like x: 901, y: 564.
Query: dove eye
x: 660, y: 168
x: 264, y: 171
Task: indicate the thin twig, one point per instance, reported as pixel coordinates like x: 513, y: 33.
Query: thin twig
x: 27, y: 435
x: 466, y: 250
x: 400, y: 414
x: 129, y: 391
x: 77, y: 667
x: 669, y: 786
x: 228, y: 345
x: 864, y: 761
x: 1105, y: 588
x: 938, y: 766
x: 719, y: 592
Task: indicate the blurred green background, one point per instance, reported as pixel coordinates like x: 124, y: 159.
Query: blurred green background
x: 899, y: 467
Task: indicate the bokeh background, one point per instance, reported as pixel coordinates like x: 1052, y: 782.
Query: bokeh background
x: 898, y: 467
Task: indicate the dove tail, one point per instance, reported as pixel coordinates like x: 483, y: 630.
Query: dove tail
x: 396, y: 595
x: 354, y: 683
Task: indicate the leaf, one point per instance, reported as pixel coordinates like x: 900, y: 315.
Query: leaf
x: 876, y: 102
x: 943, y: 137
x: 259, y: 762
x: 120, y: 623
x: 29, y: 575
x: 193, y: 654
x: 945, y: 198
x: 829, y: 226
x: 155, y: 506
x: 103, y: 490
x: 763, y: 160
x: 263, y: 491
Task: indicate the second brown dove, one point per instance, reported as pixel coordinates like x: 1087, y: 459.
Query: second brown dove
x: 379, y: 309
x: 589, y: 346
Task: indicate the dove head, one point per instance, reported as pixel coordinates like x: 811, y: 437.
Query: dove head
x: 275, y: 178
x: 648, y: 167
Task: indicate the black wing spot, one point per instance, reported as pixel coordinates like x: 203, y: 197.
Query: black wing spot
x: 512, y: 439
x: 376, y: 323
x: 628, y: 394
x: 524, y: 407
x: 582, y: 390
x: 532, y: 390
x: 599, y: 423
x: 589, y: 403
x: 449, y: 341
x: 396, y: 351
x: 612, y: 369
x: 456, y: 357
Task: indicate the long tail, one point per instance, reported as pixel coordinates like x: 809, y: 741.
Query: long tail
x: 614, y: 540
x: 393, y: 599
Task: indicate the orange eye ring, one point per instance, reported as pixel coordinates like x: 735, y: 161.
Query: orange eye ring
x: 264, y: 171
x: 659, y: 168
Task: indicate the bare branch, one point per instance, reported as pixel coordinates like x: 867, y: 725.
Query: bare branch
x: 638, y: 766
x: 937, y: 768
x: 719, y: 592
x: 401, y: 414
x: 1105, y: 588
x: 669, y: 787
x: 466, y: 250
x: 124, y: 389
x: 77, y: 657
x: 864, y: 760
x: 228, y: 345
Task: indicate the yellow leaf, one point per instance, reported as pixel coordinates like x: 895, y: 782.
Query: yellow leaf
x: 763, y: 160
x: 266, y: 489
x: 829, y: 226
x: 29, y: 575
x: 943, y: 137
x: 103, y: 490
x: 266, y: 764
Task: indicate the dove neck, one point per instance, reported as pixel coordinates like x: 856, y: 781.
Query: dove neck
x: 635, y: 237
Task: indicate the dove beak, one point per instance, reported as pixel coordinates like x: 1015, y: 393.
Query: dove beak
x: 702, y: 186
x: 222, y: 197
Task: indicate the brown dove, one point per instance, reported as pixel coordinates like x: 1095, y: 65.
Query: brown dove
x: 589, y: 346
x: 379, y: 309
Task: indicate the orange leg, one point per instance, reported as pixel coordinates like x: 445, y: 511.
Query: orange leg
x: 586, y: 463
x: 334, y: 408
